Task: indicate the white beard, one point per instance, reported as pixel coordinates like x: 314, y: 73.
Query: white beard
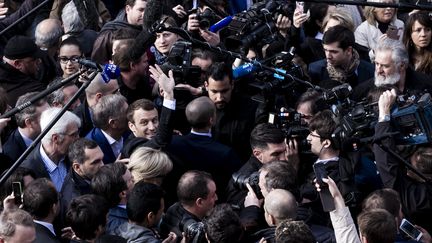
x: 391, y: 79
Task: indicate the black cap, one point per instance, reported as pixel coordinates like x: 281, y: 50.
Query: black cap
x: 19, y: 47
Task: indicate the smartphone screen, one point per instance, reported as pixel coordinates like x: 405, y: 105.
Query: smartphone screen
x: 300, y: 5
x: 17, y: 190
x: 410, y: 230
x: 392, y: 32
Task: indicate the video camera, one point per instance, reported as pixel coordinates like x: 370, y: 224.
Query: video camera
x: 256, y: 26
x: 180, y: 62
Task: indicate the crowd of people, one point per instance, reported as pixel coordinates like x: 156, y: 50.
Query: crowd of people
x: 186, y: 145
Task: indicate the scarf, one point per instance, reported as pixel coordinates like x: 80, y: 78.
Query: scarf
x: 341, y: 74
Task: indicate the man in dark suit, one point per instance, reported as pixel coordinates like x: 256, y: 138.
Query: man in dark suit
x: 342, y: 63
x: 40, y: 199
x: 109, y: 117
x: 96, y: 90
x: 198, y: 150
x: 48, y: 159
x: 28, y: 127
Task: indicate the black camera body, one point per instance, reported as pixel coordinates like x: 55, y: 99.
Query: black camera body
x: 194, y: 230
x: 207, y: 18
x: 180, y: 62
x: 256, y: 26
x: 240, y: 181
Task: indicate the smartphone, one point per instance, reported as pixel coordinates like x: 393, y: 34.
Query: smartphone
x: 410, y: 230
x: 17, y: 191
x: 325, y: 195
x: 300, y: 5
x: 393, y: 32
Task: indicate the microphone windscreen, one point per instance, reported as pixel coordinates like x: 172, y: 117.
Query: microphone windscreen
x: 110, y: 71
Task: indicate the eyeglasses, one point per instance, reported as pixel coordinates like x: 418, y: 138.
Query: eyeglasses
x: 65, y: 60
x: 314, y: 135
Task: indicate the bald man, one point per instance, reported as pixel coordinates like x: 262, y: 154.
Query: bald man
x: 199, y: 151
x: 279, y: 205
x: 94, y: 92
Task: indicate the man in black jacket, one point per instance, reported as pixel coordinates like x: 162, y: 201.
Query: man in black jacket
x: 131, y: 19
x: 414, y: 191
x: 235, y: 115
x: 391, y: 68
x: 86, y: 159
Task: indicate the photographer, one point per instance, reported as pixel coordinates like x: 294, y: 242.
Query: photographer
x: 414, y: 192
x: 268, y: 145
x: 196, y: 192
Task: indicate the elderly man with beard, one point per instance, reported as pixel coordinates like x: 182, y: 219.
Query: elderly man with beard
x: 391, y: 68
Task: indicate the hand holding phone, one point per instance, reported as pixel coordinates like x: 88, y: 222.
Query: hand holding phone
x: 17, y: 191
x: 410, y: 230
x: 393, y: 32
x: 325, y: 195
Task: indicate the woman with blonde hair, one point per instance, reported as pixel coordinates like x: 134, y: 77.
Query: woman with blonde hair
x: 376, y: 24
x: 149, y: 165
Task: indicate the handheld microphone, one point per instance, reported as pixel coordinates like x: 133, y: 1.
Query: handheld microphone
x: 221, y: 24
x: 108, y: 71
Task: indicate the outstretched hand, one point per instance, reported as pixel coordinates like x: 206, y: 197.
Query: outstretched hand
x: 165, y: 83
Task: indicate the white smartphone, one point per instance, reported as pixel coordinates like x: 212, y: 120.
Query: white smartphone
x: 410, y: 230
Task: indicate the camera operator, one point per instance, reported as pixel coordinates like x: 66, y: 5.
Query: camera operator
x: 414, y: 192
x: 210, y: 12
x: 196, y: 192
x: 268, y: 145
x: 391, y: 67
x: 321, y: 127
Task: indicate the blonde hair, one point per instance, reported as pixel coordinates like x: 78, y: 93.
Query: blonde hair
x: 147, y: 163
x: 369, y: 12
x: 342, y: 16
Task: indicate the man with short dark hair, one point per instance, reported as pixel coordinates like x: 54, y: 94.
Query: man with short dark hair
x: 40, y: 199
x: 87, y: 215
x: 223, y: 225
x: 342, y: 63
x: 268, y: 144
x: 294, y: 232
x: 131, y: 18
x: 145, y: 207
x: 198, y: 150
x: 114, y: 182
x: 235, y: 114
x: 86, y: 159
x: 28, y: 127
x: 20, y: 67
x: 327, y: 149
x: 196, y: 192
x: 377, y: 226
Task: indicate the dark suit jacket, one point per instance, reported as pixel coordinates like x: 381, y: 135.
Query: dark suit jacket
x: 83, y: 112
x: 96, y: 135
x: 319, y: 75
x: 44, y: 235
x: 35, y: 163
x: 204, y: 153
x: 14, y: 146
x: 160, y: 140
